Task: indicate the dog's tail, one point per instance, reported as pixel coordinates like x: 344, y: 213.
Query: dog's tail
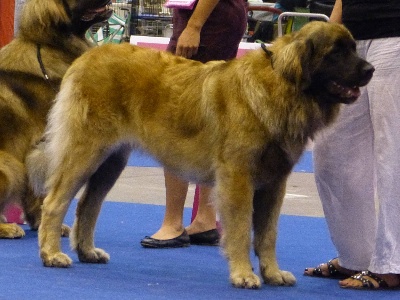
x: 37, y: 167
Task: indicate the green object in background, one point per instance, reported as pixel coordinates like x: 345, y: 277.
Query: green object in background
x: 111, y: 31
x: 299, y: 22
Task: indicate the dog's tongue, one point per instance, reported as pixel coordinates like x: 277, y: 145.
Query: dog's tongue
x: 98, y: 10
x: 92, y: 13
x: 350, y: 93
x: 342, y: 91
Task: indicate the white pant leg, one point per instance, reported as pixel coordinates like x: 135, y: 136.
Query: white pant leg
x: 343, y: 159
x: 384, y: 94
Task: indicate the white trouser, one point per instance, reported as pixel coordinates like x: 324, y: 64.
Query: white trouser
x: 357, y: 160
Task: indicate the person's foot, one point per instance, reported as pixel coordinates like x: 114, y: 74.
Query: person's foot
x: 168, y: 232
x: 182, y: 240
x: 198, y: 227
x: 203, y: 234
x: 330, y: 269
x: 205, y: 238
x: 369, y: 280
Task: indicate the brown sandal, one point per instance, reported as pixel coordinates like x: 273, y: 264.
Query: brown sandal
x: 333, y: 273
x: 367, y: 283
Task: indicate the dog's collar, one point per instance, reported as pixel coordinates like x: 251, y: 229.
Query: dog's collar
x: 268, y: 52
x: 46, y: 77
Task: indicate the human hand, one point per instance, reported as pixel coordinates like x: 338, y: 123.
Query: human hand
x: 188, y: 42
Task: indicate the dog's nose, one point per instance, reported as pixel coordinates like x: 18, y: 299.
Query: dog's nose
x: 368, y: 70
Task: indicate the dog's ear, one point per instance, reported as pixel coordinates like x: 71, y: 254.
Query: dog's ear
x: 293, y: 62
x: 37, y: 17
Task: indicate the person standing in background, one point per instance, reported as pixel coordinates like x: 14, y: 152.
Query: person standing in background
x: 357, y: 160
x: 211, y: 31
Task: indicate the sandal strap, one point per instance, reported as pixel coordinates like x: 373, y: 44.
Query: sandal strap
x: 367, y: 283
x: 331, y: 270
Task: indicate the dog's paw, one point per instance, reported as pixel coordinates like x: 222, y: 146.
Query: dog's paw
x: 65, y: 230
x: 246, y: 280
x: 280, y: 278
x: 95, y: 255
x: 57, y: 260
x: 11, y: 231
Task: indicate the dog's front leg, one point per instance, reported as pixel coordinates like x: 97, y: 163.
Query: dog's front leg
x: 234, y: 192
x: 267, y: 206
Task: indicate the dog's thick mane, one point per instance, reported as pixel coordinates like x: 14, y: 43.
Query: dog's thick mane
x: 303, y: 113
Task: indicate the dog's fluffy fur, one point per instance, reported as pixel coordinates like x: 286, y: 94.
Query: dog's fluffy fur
x: 239, y: 126
x: 58, y: 27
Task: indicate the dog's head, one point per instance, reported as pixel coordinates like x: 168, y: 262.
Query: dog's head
x: 45, y: 20
x: 321, y: 59
x: 85, y: 13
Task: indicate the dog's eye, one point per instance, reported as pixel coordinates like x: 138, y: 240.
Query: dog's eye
x: 342, y: 47
x: 352, y: 46
x: 337, y: 50
x: 346, y: 44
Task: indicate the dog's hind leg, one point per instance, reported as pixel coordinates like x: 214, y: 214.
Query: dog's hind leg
x: 76, y: 165
x: 32, y: 206
x: 12, y: 188
x: 267, y: 206
x: 54, y: 209
x: 36, y: 163
x: 234, y: 192
x: 99, y: 184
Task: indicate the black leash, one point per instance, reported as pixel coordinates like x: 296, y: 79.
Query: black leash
x: 46, y: 77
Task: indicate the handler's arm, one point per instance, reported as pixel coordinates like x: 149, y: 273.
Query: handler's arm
x: 336, y: 15
x: 189, y: 40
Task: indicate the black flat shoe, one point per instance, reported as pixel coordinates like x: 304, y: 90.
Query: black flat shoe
x: 180, y: 241
x: 206, y: 238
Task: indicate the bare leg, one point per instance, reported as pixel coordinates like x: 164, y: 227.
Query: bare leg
x: 172, y: 225
x: 206, y: 216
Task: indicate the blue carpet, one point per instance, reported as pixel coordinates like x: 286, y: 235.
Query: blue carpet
x: 140, y: 159
x: 189, y: 273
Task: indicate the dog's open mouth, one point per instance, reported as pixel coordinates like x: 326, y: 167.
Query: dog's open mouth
x: 346, y: 94
x: 90, y: 14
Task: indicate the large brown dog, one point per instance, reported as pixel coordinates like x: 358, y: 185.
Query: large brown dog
x: 239, y: 125
x: 51, y: 35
